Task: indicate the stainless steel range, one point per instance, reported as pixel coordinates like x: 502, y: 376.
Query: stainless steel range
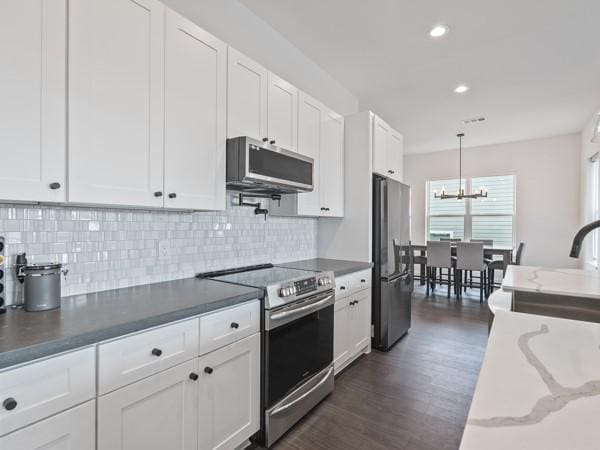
x: 297, y: 341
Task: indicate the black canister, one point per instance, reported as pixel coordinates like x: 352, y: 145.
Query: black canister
x: 42, y: 285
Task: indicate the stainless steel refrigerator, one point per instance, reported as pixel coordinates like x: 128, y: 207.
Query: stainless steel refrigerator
x: 392, y: 277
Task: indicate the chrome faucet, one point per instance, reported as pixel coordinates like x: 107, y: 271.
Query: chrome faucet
x: 580, y: 236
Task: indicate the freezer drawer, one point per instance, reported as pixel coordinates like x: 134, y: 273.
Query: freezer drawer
x: 392, y: 319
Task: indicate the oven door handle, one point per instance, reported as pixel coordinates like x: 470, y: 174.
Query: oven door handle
x: 291, y: 312
x: 303, y: 396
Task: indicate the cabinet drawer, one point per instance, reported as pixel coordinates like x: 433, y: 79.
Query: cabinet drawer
x: 224, y: 327
x: 46, y: 387
x: 134, y: 357
x: 73, y: 429
x: 361, y: 280
x: 351, y: 283
x: 343, y: 286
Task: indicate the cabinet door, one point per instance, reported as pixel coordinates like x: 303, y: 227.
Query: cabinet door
x: 195, y: 116
x: 395, y: 154
x: 342, y: 332
x: 33, y: 99
x: 229, y: 395
x: 157, y: 413
x: 310, y: 128
x: 73, y: 429
x: 332, y: 164
x: 247, y: 83
x: 282, y: 117
x: 116, y: 110
x: 381, y: 131
x: 361, y: 321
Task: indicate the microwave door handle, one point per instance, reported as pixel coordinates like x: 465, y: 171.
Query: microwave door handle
x: 303, y: 396
x: 290, y: 312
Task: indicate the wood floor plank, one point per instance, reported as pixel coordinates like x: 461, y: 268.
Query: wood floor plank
x: 414, y: 397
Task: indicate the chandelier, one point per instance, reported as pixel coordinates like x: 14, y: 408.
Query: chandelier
x: 460, y: 194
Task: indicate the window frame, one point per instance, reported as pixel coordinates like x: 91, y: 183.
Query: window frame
x: 468, y: 212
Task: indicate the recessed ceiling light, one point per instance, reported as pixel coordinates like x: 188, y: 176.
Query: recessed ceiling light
x: 438, y: 31
x: 461, y: 89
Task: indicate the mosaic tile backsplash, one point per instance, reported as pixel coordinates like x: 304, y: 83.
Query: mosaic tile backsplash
x: 112, y: 248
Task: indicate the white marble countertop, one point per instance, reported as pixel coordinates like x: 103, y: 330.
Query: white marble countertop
x: 573, y: 282
x: 539, y: 386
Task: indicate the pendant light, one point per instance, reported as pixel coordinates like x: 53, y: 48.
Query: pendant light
x: 460, y: 194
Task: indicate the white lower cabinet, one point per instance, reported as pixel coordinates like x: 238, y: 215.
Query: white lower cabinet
x: 360, y: 322
x: 342, y: 332
x: 352, y: 320
x: 69, y: 430
x: 157, y: 413
x: 229, y: 395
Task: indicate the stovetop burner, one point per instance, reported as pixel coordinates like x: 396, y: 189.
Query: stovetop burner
x: 281, y: 285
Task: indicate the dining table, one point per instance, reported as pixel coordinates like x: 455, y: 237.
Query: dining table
x: 489, y: 251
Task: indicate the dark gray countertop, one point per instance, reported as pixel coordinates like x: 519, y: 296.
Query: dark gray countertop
x: 338, y: 266
x: 87, y: 319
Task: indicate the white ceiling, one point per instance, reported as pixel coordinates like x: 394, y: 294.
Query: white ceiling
x: 533, y: 65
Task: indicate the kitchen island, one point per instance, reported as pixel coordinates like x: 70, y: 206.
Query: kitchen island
x: 539, y: 386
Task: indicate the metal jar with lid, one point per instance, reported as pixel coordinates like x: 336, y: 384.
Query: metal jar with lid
x: 42, y: 285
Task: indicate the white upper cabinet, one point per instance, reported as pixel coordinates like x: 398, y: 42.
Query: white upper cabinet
x: 147, y: 99
x: 282, y: 113
x: 33, y: 100
x: 116, y: 111
x: 310, y: 129
x: 395, y: 154
x: 387, y: 150
x: 247, y: 86
x: 332, y: 164
x: 381, y: 130
x: 195, y: 116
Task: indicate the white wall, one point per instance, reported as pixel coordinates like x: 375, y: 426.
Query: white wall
x: 239, y: 27
x: 587, y: 150
x: 547, y: 190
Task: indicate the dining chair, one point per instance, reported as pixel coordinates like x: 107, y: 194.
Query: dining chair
x: 469, y: 257
x: 439, y: 256
x: 499, y: 265
x: 486, y: 243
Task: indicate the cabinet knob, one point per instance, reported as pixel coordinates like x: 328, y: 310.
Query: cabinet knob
x: 54, y: 186
x: 363, y: 280
x: 172, y: 195
x: 158, y: 194
x: 193, y: 376
x: 342, y: 288
x: 323, y: 209
x: 390, y: 171
x: 235, y: 325
x: 156, y: 351
x: 9, y: 404
x: 208, y: 370
x: 265, y: 139
x: 272, y: 142
x: 326, y: 209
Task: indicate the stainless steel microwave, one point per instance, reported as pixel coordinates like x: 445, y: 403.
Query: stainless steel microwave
x: 260, y: 167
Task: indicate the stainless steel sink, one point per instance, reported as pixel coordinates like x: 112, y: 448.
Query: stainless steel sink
x: 566, y: 307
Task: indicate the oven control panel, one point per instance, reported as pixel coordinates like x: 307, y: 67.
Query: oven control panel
x: 305, y: 286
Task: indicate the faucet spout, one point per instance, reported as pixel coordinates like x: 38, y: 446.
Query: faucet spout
x: 580, y: 236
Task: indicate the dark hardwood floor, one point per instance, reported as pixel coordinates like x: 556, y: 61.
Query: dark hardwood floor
x: 416, y: 396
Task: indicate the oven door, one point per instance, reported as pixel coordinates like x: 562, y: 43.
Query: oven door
x: 298, y: 344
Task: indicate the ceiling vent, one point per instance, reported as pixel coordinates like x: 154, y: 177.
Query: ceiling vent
x: 473, y: 120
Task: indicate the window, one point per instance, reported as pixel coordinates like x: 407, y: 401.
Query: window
x: 447, y: 217
x: 490, y: 218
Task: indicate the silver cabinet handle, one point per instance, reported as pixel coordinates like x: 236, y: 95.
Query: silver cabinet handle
x: 303, y: 396
x: 283, y: 314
